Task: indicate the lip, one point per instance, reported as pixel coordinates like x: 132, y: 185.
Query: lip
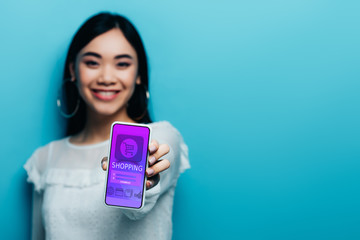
x: 105, y: 94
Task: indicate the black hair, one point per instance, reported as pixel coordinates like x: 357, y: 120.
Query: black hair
x: 93, y: 27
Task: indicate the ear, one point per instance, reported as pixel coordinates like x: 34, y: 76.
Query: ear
x: 72, y: 71
x: 138, y: 80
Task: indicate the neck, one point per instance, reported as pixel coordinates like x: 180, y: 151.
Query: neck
x: 97, y: 127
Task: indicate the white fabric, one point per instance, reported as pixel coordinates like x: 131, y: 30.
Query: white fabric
x: 69, y: 192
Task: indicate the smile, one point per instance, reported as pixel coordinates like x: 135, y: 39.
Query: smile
x: 105, y: 95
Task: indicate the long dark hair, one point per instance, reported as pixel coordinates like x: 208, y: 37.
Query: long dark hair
x: 93, y: 27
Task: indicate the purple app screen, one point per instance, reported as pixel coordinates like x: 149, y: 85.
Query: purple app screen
x: 127, y: 165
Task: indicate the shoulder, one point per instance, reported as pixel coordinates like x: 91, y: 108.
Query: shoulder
x: 165, y: 131
x: 164, y: 127
x: 42, y: 154
x: 36, y: 165
x: 46, y: 149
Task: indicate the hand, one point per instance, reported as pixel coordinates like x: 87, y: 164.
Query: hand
x: 156, y: 166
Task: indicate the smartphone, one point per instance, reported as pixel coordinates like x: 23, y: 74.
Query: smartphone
x: 127, y: 163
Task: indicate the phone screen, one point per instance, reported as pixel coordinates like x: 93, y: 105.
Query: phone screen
x: 125, y: 185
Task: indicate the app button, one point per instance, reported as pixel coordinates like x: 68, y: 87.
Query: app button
x: 128, y: 148
x: 110, y: 190
x: 128, y: 193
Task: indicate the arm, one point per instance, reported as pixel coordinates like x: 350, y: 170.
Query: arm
x: 169, y: 140
x: 37, y: 231
x: 35, y: 167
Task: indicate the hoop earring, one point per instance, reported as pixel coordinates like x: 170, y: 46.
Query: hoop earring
x: 138, y: 102
x: 147, y: 95
x: 66, y: 94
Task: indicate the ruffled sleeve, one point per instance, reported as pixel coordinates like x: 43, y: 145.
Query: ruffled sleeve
x: 33, y: 173
x: 35, y: 167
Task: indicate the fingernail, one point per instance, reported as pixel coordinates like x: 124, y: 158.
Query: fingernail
x: 152, y: 148
x: 152, y: 160
x: 150, y: 171
x: 151, y: 184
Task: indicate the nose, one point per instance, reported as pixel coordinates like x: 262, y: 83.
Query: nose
x: 107, y: 76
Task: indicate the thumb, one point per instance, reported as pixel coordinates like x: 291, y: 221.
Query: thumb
x: 104, y: 163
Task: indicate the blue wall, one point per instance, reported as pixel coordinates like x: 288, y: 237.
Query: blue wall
x: 265, y: 93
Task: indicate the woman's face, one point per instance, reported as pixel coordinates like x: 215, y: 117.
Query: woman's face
x: 106, y: 72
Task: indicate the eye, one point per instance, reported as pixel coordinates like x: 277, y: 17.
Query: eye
x: 91, y: 63
x: 123, y: 64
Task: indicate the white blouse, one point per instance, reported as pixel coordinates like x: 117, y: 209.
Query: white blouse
x: 69, y: 183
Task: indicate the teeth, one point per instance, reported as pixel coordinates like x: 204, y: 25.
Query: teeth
x: 106, y: 93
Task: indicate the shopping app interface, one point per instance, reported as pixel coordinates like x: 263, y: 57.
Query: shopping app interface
x: 127, y: 165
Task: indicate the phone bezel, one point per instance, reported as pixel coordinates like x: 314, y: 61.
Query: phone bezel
x: 146, y: 164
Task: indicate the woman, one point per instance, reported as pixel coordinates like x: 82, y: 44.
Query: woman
x: 105, y: 80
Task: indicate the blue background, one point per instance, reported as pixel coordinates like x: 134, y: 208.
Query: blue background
x: 265, y: 93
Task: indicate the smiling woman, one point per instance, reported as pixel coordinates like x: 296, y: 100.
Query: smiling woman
x: 93, y: 47
x: 93, y: 65
x: 106, y: 70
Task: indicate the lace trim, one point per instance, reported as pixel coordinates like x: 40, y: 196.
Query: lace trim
x: 33, y: 175
x: 73, y: 178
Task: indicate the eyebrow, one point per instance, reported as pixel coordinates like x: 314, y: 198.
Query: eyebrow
x: 99, y: 56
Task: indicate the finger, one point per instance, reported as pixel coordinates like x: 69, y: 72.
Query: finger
x: 162, y: 150
x: 153, y: 147
x: 104, y: 163
x: 158, y: 167
x: 152, y: 181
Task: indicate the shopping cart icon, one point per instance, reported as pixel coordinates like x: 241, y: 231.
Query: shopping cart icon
x: 129, y: 148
